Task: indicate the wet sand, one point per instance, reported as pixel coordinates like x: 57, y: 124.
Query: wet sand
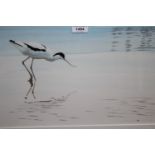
x: 105, y: 90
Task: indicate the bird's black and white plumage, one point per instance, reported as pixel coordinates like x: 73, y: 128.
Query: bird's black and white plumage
x: 38, y: 51
x: 34, y: 50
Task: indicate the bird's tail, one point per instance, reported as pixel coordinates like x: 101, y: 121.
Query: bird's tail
x: 15, y: 43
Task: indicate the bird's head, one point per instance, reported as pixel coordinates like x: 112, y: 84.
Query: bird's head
x: 61, y: 56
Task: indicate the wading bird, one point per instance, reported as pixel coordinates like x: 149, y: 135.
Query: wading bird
x: 36, y: 51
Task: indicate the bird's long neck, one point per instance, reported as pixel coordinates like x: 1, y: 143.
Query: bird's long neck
x: 51, y: 59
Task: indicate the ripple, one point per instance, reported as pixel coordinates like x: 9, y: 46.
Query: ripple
x: 141, y: 114
x: 30, y: 111
x: 32, y: 115
x: 73, y: 117
x: 36, y: 119
x: 22, y: 118
x: 111, y: 99
x: 62, y: 120
x: 55, y: 114
x: 89, y: 111
x: 115, y: 116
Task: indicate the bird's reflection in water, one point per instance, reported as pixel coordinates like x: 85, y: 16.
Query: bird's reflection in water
x: 31, y: 89
x: 53, y: 100
x: 40, y: 110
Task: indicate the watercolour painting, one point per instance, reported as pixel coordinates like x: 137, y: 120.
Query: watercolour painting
x: 77, y: 77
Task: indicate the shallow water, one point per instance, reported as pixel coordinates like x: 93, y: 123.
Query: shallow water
x: 105, y: 88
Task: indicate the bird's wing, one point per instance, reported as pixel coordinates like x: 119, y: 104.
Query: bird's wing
x: 35, y: 46
x: 29, y: 45
x: 17, y: 43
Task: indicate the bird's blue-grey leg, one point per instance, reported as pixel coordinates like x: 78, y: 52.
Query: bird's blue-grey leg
x: 32, y: 84
x: 33, y: 88
x: 31, y: 67
x: 31, y: 77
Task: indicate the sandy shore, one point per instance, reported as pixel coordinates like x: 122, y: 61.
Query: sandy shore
x: 105, y: 90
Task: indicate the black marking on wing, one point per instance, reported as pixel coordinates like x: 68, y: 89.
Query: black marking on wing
x: 12, y: 41
x: 35, y: 48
